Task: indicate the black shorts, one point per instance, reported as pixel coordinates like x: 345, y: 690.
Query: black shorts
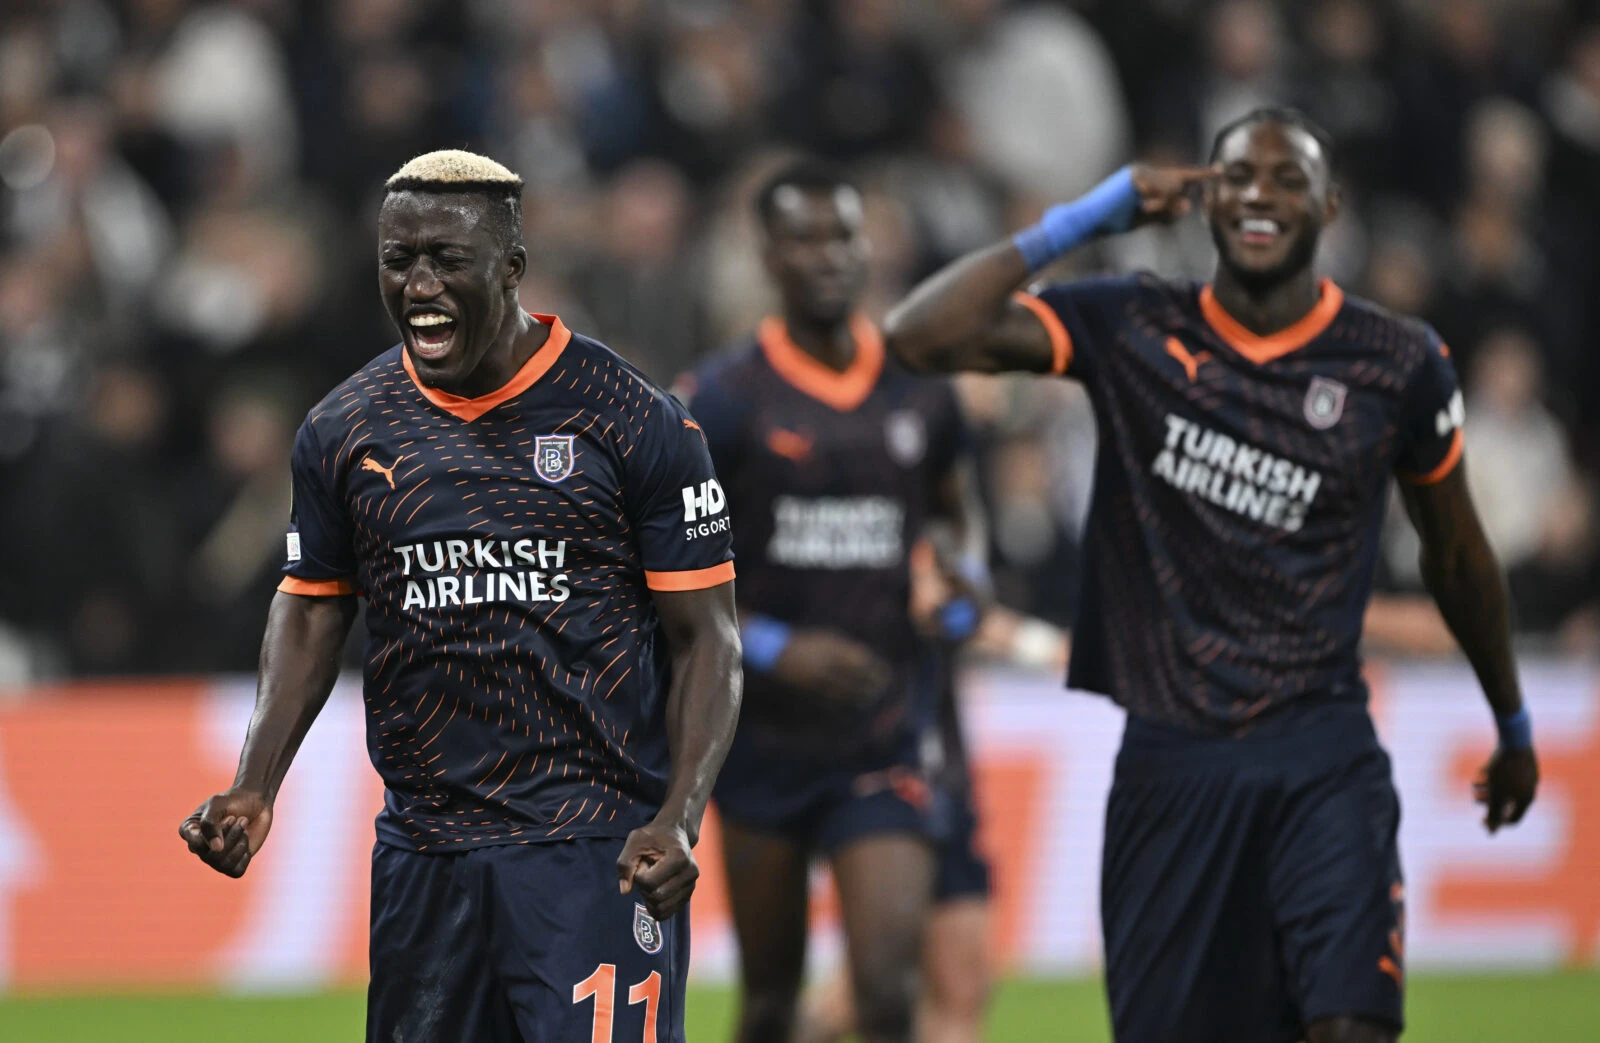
x: 520, y: 943
x: 1250, y: 887
x: 823, y: 803
x: 963, y: 872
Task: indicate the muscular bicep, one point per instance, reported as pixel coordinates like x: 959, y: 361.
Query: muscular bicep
x: 307, y: 631
x: 965, y: 318
x: 1021, y: 339
x: 1444, y: 516
x: 692, y: 616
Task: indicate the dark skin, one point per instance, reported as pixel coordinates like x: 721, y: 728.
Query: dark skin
x: 816, y: 255
x: 441, y: 254
x: 963, y: 318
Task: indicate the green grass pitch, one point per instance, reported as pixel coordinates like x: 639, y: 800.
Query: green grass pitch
x: 1548, y: 1008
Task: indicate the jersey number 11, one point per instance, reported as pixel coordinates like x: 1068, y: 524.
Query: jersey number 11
x: 602, y: 985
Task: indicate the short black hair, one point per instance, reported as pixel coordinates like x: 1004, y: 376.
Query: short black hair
x: 808, y: 175
x: 505, y: 198
x: 1284, y: 115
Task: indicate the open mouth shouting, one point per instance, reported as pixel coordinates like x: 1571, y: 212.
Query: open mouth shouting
x: 432, y: 333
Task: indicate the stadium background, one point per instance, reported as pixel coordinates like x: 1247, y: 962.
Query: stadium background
x: 187, y: 194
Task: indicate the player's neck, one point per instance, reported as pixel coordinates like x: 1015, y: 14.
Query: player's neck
x: 1268, y: 309
x: 519, y: 337
x: 830, y: 343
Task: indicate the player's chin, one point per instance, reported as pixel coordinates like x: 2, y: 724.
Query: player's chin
x: 436, y: 363
x: 1256, y: 267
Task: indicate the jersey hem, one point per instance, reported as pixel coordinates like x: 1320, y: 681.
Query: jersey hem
x: 692, y: 579
x: 1060, y: 339
x: 1451, y: 458
x: 316, y: 588
x: 528, y: 835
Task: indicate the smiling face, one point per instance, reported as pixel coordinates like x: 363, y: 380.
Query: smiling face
x: 448, y: 274
x: 1271, y: 202
x: 816, y: 251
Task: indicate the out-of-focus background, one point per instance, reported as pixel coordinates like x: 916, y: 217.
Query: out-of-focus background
x: 187, y: 197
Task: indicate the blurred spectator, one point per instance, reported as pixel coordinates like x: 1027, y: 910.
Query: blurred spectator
x: 1039, y: 92
x: 188, y: 190
x: 1516, y: 452
x: 1557, y: 591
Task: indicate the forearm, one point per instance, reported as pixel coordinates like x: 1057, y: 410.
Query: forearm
x: 1470, y: 590
x: 299, y: 664
x: 959, y: 320
x: 953, y: 308
x: 702, y: 711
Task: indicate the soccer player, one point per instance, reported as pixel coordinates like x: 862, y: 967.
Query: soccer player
x: 552, y: 656
x: 833, y: 460
x: 1251, y: 885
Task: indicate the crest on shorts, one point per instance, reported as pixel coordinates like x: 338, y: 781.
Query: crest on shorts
x: 906, y: 436
x: 1324, y: 402
x: 552, y: 456
x: 645, y: 930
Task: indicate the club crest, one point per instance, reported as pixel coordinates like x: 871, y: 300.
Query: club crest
x: 646, y: 931
x: 552, y: 456
x: 1324, y: 402
x: 906, y: 436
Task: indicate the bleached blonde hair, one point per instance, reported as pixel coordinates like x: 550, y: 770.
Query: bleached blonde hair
x: 452, y: 168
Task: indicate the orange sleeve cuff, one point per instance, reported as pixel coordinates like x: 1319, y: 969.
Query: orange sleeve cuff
x: 1448, y: 464
x: 694, y: 579
x: 1060, y: 339
x: 316, y: 588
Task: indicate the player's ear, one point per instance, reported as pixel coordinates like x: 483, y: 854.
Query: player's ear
x: 516, y: 266
x: 1334, y: 204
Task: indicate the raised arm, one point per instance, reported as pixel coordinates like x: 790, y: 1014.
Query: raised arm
x: 965, y: 317
x: 702, y: 631
x: 299, y: 663
x: 1465, y: 580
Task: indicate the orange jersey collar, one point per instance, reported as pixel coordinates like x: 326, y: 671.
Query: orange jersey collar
x: 845, y: 389
x: 1259, y: 349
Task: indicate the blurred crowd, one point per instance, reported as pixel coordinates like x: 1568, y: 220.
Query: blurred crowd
x: 188, y: 191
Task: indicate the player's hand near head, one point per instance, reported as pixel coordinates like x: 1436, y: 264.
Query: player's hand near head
x: 1506, y: 786
x: 657, y: 862
x: 1165, y: 193
x: 831, y: 665
x: 226, y: 831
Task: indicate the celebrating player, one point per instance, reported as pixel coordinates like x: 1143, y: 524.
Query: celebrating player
x: 1251, y: 883
x: 552, y: 657
x: 833, y: 461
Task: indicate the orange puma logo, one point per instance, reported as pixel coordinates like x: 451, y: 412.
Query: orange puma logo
x: 369, y: 464
x: 691, y: 425
x: 1191, y: 363
x: 788, y: 444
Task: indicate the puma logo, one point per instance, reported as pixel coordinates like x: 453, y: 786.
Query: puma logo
x: 789, y: 444
x: 369, y: 464
x: 691, y: 425
x: 1191, y: 363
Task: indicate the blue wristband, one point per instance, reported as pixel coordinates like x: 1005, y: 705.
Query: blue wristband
x: 764, y: 640
x: 1109, y: 206
x: 1516, y: 730
x: 958, y: 619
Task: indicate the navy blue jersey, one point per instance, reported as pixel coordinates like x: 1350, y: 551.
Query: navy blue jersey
x: 1240, y: 486
x: 505, y: 547
x: 831, y: 475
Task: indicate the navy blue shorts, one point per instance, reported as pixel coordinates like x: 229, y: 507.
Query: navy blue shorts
x: 825, y: 804
x: 521, y: 943
x: 1250, y: 887
x: 963, y: 872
